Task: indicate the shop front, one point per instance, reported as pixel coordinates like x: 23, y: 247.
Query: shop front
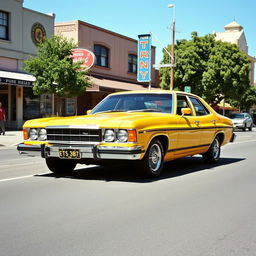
x: 16, y: 95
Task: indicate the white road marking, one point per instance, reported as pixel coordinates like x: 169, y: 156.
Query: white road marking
x: 239, y: 142
x: 21, y: 164
x: 23, y: 177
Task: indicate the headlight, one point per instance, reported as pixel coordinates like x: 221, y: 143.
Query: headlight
x: 42, y: 134
x: 122, y: 135
x: 109, y: 135
x: 33, y: 135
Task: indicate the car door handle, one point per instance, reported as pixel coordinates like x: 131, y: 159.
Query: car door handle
x: 214, y: 121
x: 197, y: 122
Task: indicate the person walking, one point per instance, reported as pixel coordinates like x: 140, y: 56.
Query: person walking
x: 2, y: 119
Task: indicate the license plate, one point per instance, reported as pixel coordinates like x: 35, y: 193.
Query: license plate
x: 69, y: 153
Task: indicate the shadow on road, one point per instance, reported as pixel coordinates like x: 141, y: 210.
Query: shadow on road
x: 172, y: 169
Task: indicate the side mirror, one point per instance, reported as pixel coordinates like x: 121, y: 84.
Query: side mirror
x: 186, y: 111
x: 88, y: 112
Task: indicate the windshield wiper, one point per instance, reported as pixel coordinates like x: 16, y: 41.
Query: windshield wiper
x: 109, y: 111
x: 145, y: 110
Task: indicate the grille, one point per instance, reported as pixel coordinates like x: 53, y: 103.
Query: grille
x: 73, y: 135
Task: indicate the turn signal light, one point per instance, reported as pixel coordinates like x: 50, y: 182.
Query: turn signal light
x: 25, y: 134
x: 132, y: 136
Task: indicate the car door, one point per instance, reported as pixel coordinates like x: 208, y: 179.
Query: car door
x: 206, y: 121
x: 188, y: 132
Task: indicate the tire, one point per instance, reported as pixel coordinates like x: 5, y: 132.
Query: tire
x: 213, y: 154
x: 244, y: 128
x: 152, y: 163
x: 60, y: 166
x: 250, y: 128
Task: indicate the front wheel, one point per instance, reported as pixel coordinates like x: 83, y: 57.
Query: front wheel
x: 213, y: 154
x: 152, y: 163
x: 60, y: 166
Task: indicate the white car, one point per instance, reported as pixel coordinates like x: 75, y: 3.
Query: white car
x: 242, y: 121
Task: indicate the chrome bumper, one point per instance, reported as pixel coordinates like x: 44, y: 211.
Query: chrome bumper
x: 95, y: 152
x: 233, y: 137
x: 29, y: 150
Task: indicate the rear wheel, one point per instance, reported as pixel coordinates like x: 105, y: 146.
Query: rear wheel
x: 213, y: 154
x: 152, y: 163
x: 60, y: 166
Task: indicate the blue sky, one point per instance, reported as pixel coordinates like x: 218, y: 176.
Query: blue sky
x: 135, y: 17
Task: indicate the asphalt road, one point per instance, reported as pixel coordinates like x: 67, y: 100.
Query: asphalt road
x: 191, y: 209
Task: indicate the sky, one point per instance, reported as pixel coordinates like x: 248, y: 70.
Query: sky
x: 134, y: 17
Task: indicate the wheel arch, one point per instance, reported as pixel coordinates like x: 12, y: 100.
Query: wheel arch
x: 163, y: 139
x: 221, y: 136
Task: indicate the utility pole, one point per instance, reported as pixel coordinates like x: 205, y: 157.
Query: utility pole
x: 172, y: 49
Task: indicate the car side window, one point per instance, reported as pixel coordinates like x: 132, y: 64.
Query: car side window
x: 200, y: 109
x: 182, y: 102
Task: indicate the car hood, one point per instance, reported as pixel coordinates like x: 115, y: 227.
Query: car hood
x: 106, y: 120
x: 237, y: 120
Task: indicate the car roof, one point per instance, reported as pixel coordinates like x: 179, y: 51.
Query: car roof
x: 154, y: 91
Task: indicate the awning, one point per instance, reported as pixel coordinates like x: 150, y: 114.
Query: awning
x: 102, y: 84
x: 225, y: 106
x: 15, y: 78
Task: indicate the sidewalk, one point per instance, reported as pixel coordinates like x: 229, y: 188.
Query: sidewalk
x: 11, y: 138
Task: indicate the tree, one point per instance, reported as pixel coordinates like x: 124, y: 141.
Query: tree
x: 247, y: 100
x: 55, y: 71
x: 215, y: 70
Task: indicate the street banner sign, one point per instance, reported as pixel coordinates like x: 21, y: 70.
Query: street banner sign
x: 187, y: 89
x: 144, y: 58
x: 84, y: 55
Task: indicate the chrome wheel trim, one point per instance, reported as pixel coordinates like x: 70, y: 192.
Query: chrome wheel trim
x: 155, y: 157
x: 216, y: 148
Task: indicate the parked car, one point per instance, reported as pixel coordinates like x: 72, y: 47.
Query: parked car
x: 242, y: 121
x: 143, y: 127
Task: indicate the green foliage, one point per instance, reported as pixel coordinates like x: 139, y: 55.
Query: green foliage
x: 247, y: 99
x: 213, y: 69
x: 55, y: 71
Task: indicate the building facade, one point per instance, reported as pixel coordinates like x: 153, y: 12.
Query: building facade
x: 234, y: 33
x: 21, y: 29
x: 115, y: 67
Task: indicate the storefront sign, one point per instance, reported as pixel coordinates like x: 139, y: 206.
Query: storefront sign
x: 144, y: 58
x: 84, y: 55
x: 38, y: 33
x: 18, y: 82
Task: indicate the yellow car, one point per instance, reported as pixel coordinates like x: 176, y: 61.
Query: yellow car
x: 145, y: 127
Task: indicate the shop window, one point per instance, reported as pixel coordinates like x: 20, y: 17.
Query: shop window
x: 70, y: 106
x: 132, y: 63
x: 46, y: 105
x: 36, y: 106
x: 102, y: 55
x: 4, y: 25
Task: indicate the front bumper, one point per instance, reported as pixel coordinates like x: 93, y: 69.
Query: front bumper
x: 233, y: 137
x: 95, y: 152
x: 239, y: 125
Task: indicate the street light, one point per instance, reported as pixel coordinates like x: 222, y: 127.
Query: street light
x: 172, y: 49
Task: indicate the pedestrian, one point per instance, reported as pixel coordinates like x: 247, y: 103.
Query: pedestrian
x: 2, y: 119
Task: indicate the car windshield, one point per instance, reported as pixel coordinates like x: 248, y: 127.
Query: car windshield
x: 233, y: 116
x: 135, y: 103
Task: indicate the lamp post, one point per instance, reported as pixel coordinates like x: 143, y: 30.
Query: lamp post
x: 172, y: 49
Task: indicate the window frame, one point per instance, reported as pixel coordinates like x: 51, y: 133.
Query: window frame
x: 188, y: 102
x: 98, y: 61
x: 5, y: 26
x: 206, y: 110
x: 134, y: 59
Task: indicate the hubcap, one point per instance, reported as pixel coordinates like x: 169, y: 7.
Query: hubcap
x: 155, y: 157
x: 215, y: 149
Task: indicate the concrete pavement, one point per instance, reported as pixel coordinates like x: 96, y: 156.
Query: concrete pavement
x: 11, y: 139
